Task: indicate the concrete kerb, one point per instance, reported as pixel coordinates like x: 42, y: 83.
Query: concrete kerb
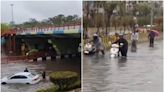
x: 48, y: 58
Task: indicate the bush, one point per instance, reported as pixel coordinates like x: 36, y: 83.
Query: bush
x: 64, y: 79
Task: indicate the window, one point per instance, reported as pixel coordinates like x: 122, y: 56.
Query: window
x: 19, y: 77
x: 31, y: 75
x: 15, y: 77
x: 22, y: 77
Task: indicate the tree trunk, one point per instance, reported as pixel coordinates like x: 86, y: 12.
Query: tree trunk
x: 124, y: 29
x: 106, y: 27
x: 108, y: 23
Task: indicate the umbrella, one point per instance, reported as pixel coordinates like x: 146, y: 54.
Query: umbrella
x: 156, y: 32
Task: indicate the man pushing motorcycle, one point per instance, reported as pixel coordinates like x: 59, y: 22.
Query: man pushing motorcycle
x: 123, y: 45
x: 98, y: 44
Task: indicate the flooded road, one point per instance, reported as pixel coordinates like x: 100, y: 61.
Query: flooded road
x: 141, y: 72
x: 73, y: 64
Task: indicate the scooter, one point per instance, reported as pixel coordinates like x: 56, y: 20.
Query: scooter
x: 114, y: 50
x: 89, y: 49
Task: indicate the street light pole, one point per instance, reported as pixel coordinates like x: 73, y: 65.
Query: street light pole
x: 12, y: 45
x: 152, y: 13
x: 12, y: 15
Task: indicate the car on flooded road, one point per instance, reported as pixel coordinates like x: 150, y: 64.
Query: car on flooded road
x: 22, y: 77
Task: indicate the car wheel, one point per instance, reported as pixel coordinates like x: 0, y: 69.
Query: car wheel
x: 27, y: 83
x: 3, y: 83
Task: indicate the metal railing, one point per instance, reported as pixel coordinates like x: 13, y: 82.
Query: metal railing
x: 50, y: 28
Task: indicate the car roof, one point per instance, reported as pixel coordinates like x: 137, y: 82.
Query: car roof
x: 23, y: 73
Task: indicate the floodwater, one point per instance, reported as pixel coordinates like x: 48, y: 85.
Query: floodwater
x: 73, y: 64
x: 140, y: 72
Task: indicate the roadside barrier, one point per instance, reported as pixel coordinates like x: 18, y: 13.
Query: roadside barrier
x: 49, y: 58
x: 7, y: 59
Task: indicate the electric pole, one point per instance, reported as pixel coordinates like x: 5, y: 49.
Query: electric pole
x: 12, y: 14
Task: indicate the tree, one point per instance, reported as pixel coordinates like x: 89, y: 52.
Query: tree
x: 4, y: 28
x: 59, y: 20
x: 109, y: 6
x: 143, y: 9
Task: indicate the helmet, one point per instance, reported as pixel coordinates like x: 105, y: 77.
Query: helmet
x: 95, y: 35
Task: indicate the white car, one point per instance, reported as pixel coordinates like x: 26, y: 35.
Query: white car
x: 22, y: 77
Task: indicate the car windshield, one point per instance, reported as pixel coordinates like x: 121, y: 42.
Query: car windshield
x: 31, y: 75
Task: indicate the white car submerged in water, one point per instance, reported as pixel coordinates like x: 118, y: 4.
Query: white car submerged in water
x: 22, y: 77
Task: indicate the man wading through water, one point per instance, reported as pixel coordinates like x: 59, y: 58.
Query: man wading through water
x: 98, y: 44
x: 123, y: 46
x: 151, y: 37
x: 134, y: 39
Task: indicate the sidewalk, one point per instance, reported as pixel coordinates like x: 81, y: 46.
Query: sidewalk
x: 6, y: 59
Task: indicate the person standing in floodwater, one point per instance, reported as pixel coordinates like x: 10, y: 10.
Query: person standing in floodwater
x: 134, y: 39
x: 123, y: 45
x: 151, y: 37
x: 44, y: 75
x: 98, y: 44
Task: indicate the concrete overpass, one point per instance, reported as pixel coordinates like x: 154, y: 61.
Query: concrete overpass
x: 64, y: 40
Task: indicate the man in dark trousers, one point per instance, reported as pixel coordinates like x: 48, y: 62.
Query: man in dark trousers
x: 44, y: 75
x: 123, y: 45
x: 151, y: 37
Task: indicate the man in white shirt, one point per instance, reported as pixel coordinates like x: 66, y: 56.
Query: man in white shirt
x: 134, y: 39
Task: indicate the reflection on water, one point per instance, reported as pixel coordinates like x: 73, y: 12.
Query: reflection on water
x: 140, y: 72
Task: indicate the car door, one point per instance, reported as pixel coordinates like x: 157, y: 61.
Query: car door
x: 14, y: 79
x: 23, y: 79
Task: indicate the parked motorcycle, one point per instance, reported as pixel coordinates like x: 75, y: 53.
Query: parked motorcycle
x: 114, y: 50
x: 89, y: 49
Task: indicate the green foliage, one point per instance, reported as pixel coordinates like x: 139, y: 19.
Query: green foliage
x: 4, y: 28
x: 63, y: 81
x: 143, y: 21
x: 143, y: 9
x: 59, y: 20
x: 63, y: 78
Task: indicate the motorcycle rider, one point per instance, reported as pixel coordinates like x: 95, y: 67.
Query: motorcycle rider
x: 98, y: 44
x: 123, y: 45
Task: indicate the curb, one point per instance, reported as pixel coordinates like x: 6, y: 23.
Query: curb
x: 49, y: 58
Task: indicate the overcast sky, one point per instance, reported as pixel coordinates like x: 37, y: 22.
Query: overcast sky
x: 23, y: 10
